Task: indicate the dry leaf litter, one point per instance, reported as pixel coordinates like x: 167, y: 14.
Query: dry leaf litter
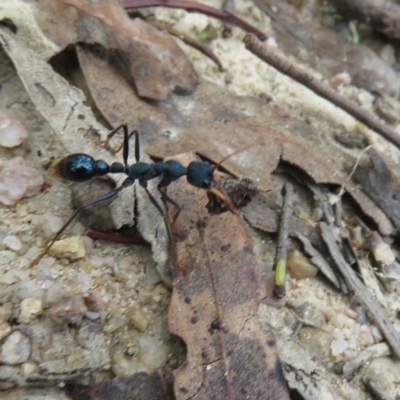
x: 106, y: 310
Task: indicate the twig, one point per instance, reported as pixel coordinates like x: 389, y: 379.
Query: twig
x: 281, y: 251
x: 342, y: 188
x: 222, y: 15
x: 271, y: 57
x: 378, y: 313
x: 203, y: 48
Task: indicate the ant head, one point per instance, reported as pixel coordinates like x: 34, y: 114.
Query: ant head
x: 200, y: 174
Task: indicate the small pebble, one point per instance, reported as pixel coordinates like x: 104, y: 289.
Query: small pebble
x: 51, y: 224
x: 299, y: 266
x: 71, y: 248
x: 7, y: 377
x: 6, y: 257
x: 69, y: 311
x: 18, y: 181
x: 12, y: 242
x: 16, y: 349
x: 5, y: 329
x: 388, y: 54
x: 4, y: 315
x: 28, y: 368
x: 12, y: 130
x: 30, y: 309
x: 137, y: 318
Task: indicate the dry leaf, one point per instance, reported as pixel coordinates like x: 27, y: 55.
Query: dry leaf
x: 152, y: 58
x: 217, y: 289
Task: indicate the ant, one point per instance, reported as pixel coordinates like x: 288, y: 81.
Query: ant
x: 81, y: 167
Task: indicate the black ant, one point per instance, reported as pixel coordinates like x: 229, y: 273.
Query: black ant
x: 80, y: 167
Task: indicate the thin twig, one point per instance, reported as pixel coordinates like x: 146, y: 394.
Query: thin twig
x: 342, y: 188
x: 222, y: 15
x: 203, y: 48
x: 281, y: 251
x: 271, y: 57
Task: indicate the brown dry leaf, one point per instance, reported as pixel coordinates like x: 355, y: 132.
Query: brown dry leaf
x: 329, y: 52
x: 217, y: 289
x: 216, y: 123
x: 154, y: 61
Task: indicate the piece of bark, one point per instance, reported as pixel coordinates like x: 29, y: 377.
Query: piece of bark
x: 378, y: 313
x: 382, y: 15
x: 381, y: 184
x: 318, y: 260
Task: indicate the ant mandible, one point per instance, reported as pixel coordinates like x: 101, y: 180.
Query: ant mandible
x: 81, y: 167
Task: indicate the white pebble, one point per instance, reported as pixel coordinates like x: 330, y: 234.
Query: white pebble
x: 18, y: 181
x: 339, y: 346
x: 30, y: 309
x: 12, y: 242
x: 16, y: 349
x: 5, y: 329
x: 6, y: 257
x: 12, y: 131
x: 51, y: 224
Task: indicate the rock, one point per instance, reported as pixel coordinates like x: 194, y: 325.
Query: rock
x: 18, y: 181
x: 299, y: 266
x: 72, y: 248
x: 5, y: 329
x: 16, y: 349
x: 4, y: 315
x: 12, y: 242
x: 69, y: 311
x: 30, y: 309
x: 8, y: 377
x: 6, y: 256
x: 12, y: 130
x: 137, y: 318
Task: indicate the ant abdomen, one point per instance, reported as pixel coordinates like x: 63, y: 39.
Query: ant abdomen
x: 79, y: 167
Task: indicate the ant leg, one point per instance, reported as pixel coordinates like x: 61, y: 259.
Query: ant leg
x: 168, y: 199
x: 112, y: 133
x: 156, y: 205
x: 109, y: 195
x: 137, y: 145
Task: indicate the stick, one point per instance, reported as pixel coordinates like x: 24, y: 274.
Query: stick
x: 271, y: 57
x: 281, y: 251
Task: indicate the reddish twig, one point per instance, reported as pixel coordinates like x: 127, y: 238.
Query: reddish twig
x: 222, y: 15
x: 281, y: 64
